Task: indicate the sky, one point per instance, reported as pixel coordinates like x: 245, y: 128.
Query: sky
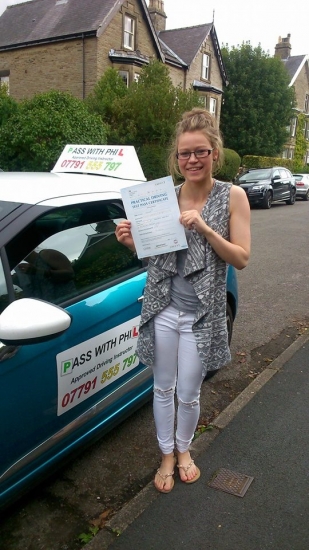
x: 238, y: 21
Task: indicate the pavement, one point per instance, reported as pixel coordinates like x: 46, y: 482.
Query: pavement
x: 262, y: 435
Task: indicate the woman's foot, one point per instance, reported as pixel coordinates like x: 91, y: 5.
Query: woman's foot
x: 188, y: 472
x: 164, y: 481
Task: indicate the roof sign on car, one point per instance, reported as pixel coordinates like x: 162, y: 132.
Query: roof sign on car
x: 118, y: 161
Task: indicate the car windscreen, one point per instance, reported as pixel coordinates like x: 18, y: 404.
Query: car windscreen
x: 7, y: 208
x: 255, y: 175
x: 297, y: 177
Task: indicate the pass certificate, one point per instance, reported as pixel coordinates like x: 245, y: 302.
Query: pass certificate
x: 153, y: 211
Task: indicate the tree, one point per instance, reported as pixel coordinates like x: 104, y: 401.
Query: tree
x: 258, y: 102
x: 152, y: 107
x: 105, y: 97
x: 34, y: 136
x: 8, y: 105
x: 300, y: 144
x: 146, y: 116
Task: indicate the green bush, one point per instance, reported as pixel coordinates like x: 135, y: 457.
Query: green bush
x: 153, y: 158
x: 34, y: 136
x: 251, y: 161
x: 230, y: 165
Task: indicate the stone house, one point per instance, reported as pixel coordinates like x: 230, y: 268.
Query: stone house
x: 68, y: 44
x: 297, y: 67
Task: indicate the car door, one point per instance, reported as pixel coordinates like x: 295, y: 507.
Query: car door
x: 55, y: 395
x: 276, y: 184
x: 285, y: 184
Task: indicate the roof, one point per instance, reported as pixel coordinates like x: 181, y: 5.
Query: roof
x: 294, y: 65
x: 51, y: 189
x: 46, y: 20
x: 186, y: 42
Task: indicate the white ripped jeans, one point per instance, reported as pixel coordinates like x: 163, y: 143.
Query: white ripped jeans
x: 177, y: 366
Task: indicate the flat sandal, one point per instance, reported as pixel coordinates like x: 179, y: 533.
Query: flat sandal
x: 186, y: 468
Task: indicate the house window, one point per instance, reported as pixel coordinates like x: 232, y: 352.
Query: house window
x: 307, y: 103
x: 125, y: 77
x: 307, y: 129
x: 129, y: 32
x: 290, y: 153
x: 285, y: 154
x: 293, y: 126
x: 5, y: 80
x: 213, y: 106
x: 205, y: 66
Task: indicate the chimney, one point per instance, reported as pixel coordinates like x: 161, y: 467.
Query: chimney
x: 157, y: 14
x: 283, y: 48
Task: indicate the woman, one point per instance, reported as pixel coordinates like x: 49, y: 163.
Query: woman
x: 183, y: 329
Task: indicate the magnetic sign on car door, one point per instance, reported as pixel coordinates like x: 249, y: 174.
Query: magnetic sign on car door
x: 87, y: 368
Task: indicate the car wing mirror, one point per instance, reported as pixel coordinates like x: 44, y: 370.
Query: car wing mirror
x: 29, y: 321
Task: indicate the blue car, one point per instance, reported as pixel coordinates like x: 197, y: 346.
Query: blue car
x: 70, y: 301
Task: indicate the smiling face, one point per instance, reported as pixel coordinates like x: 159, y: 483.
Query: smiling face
x: 196, y: 170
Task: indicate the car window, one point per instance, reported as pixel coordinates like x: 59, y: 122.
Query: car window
x: 276, y: 173
x: 284, y: 173
x: 4, y: 299
x: 255, y: 175
x: 79, y: 253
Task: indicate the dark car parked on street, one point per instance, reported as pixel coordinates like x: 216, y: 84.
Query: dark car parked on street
x: 265, y: 186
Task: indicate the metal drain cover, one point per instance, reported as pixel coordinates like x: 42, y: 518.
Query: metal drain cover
x: 231, y: 482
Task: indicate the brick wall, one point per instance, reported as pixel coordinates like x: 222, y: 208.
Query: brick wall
x: 51, y: 66
x: 301, y: 87
x: 195, y: 73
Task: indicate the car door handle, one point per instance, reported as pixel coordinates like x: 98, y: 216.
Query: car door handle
x: 140, y: 299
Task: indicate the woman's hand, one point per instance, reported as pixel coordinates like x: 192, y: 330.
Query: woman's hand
x: 191, y: 219
x: 124, y: 235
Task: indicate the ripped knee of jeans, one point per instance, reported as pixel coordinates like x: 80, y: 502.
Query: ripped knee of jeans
x: 164, y: 393
x: 189, y: 405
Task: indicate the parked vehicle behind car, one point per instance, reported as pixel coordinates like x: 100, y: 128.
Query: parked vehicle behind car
x: 302, y: 186
x: 70, y: 302
x: 265, y: 186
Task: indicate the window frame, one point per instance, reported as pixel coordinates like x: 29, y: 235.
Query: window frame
x: 213, y: 106
x: 293, y: 126
x: 205, y: 66
x: 125, y: 77
x: 5, y: 80
x: 129, y: 34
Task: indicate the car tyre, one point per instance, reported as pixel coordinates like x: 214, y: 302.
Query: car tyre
x: 292, y: 198
x: 306, y: 197
x: 267, y: 200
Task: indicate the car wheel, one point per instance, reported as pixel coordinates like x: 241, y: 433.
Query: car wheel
x: 292, y: 198
x: 267, y: 200
x: 306, y: 197
x: 229, y: 325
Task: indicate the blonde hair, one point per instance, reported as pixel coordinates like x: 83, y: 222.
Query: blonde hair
x: 197, y: 120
